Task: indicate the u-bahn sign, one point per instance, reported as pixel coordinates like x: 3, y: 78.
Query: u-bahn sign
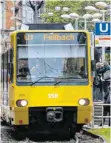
x: 103, y: 34
x: 103, y: 28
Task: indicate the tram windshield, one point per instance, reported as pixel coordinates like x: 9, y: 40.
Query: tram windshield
x: 52, y: 56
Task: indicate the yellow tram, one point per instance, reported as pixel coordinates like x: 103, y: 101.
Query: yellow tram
x: 46, y: 79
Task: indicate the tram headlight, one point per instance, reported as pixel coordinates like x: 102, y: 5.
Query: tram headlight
x: 84, y: 101
x: 21, y: 103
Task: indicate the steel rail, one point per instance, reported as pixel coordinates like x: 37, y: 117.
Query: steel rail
x: 77, y: 139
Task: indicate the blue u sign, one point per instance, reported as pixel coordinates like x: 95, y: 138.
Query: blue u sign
x: 103, y: 28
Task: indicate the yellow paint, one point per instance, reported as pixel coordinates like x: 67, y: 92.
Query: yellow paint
x: 39, y: 95
x: 12, y: 40
x: 84, y: 112
x: 21, y: 114
x: 11, y: 95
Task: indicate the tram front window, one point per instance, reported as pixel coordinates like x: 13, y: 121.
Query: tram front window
x: 54, y: 59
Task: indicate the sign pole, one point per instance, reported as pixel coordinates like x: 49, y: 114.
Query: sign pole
x: 103, y: 54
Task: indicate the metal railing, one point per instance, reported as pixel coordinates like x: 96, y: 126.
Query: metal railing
x: 100, y: 107
x: 101, y: 117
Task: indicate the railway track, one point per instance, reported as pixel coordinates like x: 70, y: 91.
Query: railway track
x: 75, y: 140
x: 81, y: 137
x: 78, y: 138
x: 86, y: 137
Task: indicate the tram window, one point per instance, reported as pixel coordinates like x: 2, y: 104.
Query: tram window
x: 7, y: 71
x: 10, y: 65
x: 11, y: 55
x: 20, y: 38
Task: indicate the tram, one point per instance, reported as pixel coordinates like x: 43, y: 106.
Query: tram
x: 46, y: 80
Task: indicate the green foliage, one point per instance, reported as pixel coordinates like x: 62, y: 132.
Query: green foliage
x: 73, y: 5
x: 104, y: 132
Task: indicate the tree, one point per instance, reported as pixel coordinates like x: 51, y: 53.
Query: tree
x: 38, y: 3
x: 30, y: 3
x: 74, y: 6
x: 17, y: 7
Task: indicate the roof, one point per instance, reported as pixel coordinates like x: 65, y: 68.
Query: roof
x: 48, y: 26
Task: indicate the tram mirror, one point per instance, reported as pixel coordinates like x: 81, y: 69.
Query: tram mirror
x: 20, y: 38
x: 81, y: 38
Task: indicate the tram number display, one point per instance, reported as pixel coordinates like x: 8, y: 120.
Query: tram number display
x: 52, y: 95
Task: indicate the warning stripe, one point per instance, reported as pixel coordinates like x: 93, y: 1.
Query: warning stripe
x: 107, y: 38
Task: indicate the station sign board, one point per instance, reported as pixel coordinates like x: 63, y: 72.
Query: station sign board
x: 103, y: 28
x: 101, y: 41
x: 102, y: 34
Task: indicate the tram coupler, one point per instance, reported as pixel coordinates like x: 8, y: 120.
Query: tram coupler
x: 54, y: 114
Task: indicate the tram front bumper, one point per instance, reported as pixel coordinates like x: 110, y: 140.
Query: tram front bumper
x: 26, y: 116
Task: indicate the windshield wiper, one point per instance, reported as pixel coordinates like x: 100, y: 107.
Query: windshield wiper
x: 76, y: 78
x: 71, y: 77
x: 39, y: 80
x: 57, y: 82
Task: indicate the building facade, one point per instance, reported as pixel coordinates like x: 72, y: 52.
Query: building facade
x: 29, y: 14
x: 18, y: 13
x: 9, y: 21
x: 1, y: 25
